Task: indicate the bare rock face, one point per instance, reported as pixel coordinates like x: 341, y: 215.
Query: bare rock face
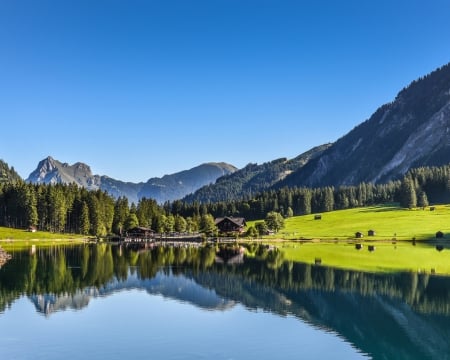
x: 51, y: 171
x: 430, y: 138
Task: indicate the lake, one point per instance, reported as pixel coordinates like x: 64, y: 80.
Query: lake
x: 116, y: 302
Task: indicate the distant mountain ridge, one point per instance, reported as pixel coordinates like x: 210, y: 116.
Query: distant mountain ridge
x: 167, y: 188
x: 253, y: 178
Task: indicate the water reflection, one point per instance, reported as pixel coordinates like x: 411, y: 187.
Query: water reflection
x: 401, y: 316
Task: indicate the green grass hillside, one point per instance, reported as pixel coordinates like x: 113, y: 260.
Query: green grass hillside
x: 332, y: 239
x: 387, y: 221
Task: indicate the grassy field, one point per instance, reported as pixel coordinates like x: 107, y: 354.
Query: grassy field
x: 15, y: 238
x: 332, y: 239
x: 388, y: 222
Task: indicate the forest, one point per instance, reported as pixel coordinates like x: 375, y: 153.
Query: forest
x: 71, y: 209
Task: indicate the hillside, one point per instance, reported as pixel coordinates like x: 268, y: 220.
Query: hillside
x: 253, y: 178
x: 411, y: 131
x: 7, y: 173
x: 169, y: 187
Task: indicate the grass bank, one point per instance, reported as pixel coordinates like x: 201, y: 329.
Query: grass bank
x: 17, y: 239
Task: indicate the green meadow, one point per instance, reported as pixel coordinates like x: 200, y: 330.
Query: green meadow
x: 388, y: 222
x: 332, y: 239
x: 16, y: 238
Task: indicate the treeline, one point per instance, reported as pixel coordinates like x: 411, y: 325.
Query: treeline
x: 71, y: 209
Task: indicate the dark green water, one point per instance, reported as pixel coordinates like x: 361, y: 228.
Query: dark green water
x: 107, y: 302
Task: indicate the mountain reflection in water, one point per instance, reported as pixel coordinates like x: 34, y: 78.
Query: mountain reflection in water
x: 401, y: 316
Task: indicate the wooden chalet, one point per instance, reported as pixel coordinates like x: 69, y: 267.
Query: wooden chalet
x: 140, y: 232
x: 230, y: 224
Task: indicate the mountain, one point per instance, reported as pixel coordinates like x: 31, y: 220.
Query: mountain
x: 176, y: 186
x: 253, y: 178
x: 169, y: 187
x: 411, y: 131
x: 7, y: 173
x: 51, y: 171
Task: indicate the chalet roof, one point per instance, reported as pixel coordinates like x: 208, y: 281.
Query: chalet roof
x: 140, y: 229
x: 239, y: 221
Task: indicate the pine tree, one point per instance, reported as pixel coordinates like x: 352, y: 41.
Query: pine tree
x: 84, y: 219
x: 408, y: 197
x: 422, y: 199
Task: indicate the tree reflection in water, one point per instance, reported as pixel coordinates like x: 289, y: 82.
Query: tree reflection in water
x: 383, y: 314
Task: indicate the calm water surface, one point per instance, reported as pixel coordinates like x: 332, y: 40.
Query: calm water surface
x: 107, y: 302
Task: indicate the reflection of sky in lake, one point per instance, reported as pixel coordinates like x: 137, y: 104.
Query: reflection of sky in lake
x: 135, y: 325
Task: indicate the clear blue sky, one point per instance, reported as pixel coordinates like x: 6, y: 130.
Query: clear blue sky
x: 138, y: 89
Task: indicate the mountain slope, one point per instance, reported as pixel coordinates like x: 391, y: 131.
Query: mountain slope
x: 7, y: 174
x: 169, y: 187
x: 412, y: 131
x: 176, y: 186
x: 253, y: 178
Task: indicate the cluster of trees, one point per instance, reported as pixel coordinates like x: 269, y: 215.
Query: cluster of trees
x: 71, y: 209
x: 56, y: 208
x: 423, y: 185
